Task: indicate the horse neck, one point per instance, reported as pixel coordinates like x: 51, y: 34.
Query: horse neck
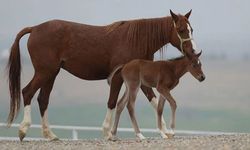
x: 180, y: 67
x: 150, y: 35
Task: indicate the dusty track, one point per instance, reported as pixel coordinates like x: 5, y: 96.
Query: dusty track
x: 239, y: 141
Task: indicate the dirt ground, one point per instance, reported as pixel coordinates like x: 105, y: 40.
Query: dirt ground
x: 225, y: 142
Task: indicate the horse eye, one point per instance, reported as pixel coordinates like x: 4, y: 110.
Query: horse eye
x: 193, y: 65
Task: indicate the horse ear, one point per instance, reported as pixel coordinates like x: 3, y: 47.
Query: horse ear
x: 198, y: 55
x: 174, y: 16
x: 188, y: 14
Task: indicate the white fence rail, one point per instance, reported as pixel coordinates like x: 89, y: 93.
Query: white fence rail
x: 75, y: 130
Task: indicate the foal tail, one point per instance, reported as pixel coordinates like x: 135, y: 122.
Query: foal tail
x: 111, y: 75
x: 14, y: 73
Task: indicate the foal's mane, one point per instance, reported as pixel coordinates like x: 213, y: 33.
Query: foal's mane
x: 145, y: 34
x: 176, y: 58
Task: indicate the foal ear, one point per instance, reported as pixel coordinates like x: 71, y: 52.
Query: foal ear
x: 188, y: 14
x: 174, y: 16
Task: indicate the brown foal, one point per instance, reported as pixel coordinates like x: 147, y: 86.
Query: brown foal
x: 162, y: 75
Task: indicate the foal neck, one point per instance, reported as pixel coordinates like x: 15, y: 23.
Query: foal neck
x: 180, y: 67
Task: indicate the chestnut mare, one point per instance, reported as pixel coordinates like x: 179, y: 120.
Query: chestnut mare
x: 162, y: 75
x: 90, y: 53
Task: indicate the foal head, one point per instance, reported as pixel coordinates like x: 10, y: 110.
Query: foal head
x: 182, y: 34
x: 194, y: 67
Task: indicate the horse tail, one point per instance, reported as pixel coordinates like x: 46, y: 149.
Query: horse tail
x: 14, y: 73
x: 116, y: 70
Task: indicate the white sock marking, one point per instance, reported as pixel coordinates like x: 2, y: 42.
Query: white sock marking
x: 25, y: 124
x: 45, y: 127
x: 154, y: 103
x: 45, y: 123
x: 108, y: 120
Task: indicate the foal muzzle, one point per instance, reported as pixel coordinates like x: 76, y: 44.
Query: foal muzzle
x: 202, y: 77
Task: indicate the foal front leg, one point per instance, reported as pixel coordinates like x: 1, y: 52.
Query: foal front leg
x: 166, y: 94
x: 159, y: 117
x: 173, y: 109
x: 149, y: 93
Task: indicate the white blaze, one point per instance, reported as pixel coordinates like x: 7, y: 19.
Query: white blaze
x: 191, y: 36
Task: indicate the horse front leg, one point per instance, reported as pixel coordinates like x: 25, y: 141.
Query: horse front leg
x: 113, y: 96
x: 149, y: 93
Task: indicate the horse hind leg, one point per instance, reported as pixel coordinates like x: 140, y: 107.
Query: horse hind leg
x: 43, y: 101
x: 28, y: 93
x: 114, y: 92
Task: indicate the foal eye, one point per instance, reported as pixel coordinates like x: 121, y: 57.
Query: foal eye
x: 181, y: 31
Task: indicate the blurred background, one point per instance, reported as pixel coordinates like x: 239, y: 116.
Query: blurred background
x: 221, y: 29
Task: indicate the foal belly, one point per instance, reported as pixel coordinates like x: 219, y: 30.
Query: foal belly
x: 149, y: 82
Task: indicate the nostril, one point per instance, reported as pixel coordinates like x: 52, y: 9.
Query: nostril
x: 203, y: 77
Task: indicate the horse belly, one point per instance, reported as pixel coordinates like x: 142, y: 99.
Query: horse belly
x: 88, y: 69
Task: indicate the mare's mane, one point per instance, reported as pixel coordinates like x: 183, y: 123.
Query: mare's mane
x: 145, y: 34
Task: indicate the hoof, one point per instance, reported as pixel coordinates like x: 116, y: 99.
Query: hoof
x: 106, y: 132
x: 169, y: 135
x: 114, y: 138
x: 54, y: 139
x: 140, y: 137
x: 21, y: 135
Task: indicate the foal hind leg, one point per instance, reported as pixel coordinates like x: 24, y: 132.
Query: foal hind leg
x: 120, y: 106
x: 130, y: 107
x: 114, y: 92
x: 149, y: 93
x: 28, y: 92
x: 43, y: 101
